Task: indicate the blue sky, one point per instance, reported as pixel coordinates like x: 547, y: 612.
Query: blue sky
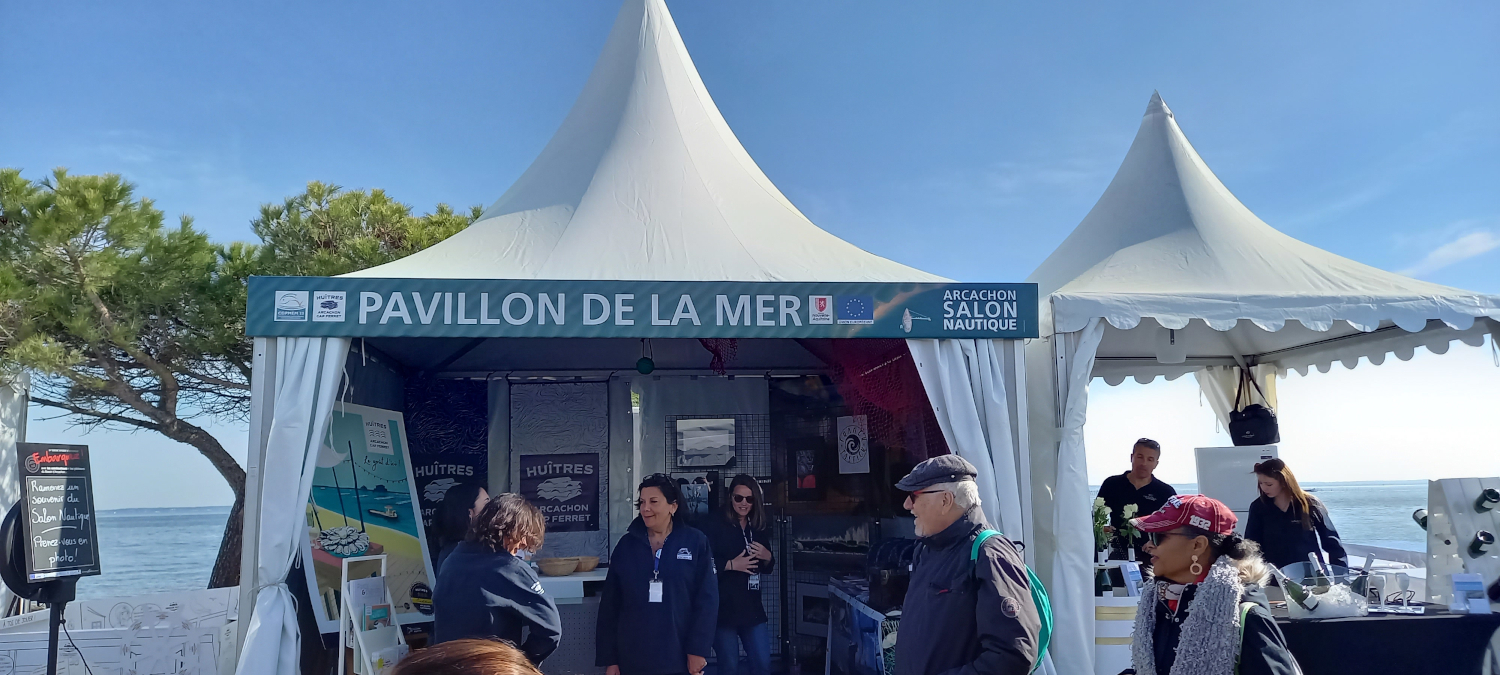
x: 966, y: 139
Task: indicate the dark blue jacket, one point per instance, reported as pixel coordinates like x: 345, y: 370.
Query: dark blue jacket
x: 655, y: 638
x: 488, y: 594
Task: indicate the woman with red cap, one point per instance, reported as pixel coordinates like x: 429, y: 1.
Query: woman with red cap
x: 1204, y: 613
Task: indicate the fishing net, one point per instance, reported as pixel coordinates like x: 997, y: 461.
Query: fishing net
x: 723, y: 349
x: 878, y: 379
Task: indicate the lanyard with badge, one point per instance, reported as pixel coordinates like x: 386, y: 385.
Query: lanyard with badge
x: 754, y: 582
x: 655, y: 594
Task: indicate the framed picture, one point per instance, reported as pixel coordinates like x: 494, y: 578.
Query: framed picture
x: 812, y: 609
x: 705, y: 442
x: 807, y: 463
x: 697, y: 492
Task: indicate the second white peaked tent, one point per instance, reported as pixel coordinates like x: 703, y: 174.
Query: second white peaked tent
x: 1168, y: 274
x: 644, y: 180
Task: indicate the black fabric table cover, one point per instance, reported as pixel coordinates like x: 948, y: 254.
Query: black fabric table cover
x: 1435, y: 642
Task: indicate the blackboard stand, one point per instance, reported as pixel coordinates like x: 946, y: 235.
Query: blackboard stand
x: 55, y: 593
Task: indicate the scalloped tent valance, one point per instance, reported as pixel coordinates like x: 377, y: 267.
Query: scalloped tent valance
x: 1187, y: 277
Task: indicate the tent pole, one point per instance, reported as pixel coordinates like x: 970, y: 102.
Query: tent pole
x: 263, y: 378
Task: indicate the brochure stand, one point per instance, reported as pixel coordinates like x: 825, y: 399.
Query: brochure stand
x: 376, y: 640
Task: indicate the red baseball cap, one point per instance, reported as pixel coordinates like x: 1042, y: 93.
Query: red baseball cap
x: 1204, y: 513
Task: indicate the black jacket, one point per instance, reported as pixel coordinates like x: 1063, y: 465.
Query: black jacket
x: 739, y: 606
x: 967, y: 618
x: 655, y: 638
x: 1263, y: 649
x: 1117, y: 492
x: 482, y: 593
x: 1282, y: 538
x: 442, y: 555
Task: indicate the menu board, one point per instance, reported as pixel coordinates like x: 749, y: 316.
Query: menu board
x: 61, y: 539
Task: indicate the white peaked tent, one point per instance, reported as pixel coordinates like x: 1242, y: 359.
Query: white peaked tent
x: 1170, y: 274
x: 643, y: 181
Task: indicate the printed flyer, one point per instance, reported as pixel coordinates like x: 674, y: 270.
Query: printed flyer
x: 363, y: 502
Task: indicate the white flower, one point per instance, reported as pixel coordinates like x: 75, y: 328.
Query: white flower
x: 1098, y: 502
x: 1130, y: 510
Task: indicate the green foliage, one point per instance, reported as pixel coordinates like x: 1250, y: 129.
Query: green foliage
x: 115, y: 313
x: 327, y: 231
x: 123, y: 321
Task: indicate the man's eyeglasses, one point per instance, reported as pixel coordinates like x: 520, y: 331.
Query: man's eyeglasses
x: 740, y: 499
x: 919, y: 493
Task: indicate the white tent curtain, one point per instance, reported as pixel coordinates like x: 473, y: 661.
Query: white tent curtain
x: 308, y: 371
x: 965, y: 383
x: 1220, y: 384
x: 1073, y: 563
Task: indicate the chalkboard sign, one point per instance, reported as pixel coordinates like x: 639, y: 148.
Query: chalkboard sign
x: 58, y: 494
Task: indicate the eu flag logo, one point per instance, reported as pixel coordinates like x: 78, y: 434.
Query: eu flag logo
x: 857, y: 309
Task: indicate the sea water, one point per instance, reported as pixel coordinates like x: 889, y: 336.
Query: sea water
x: 156, y: 550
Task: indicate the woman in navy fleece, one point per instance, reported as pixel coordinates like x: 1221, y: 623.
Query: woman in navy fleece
x: 661, y: 597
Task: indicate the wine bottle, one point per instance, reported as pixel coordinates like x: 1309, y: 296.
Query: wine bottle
x: 1295, y: 592
x: 1321, y: 583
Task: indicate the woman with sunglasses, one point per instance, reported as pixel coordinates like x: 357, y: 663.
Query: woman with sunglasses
x: 660, y: 598
x: 742, y: 550
x: 1289, y: 523
x: 1204, y: 613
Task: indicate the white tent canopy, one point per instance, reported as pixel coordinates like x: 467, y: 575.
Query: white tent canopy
x: 643, y: 181
x: 1168, y: 274
x: 1169, y: 247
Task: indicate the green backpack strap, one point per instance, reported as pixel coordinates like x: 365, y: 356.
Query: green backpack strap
x: 1038, y: 598
x: 1245, y: 608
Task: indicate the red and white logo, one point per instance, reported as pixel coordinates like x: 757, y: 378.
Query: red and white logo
x: 819, y: 309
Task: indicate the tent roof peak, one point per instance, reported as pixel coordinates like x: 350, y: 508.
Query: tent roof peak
x: 644, y: 180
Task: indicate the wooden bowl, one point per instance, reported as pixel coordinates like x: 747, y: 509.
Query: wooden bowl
x: 557, y: 567
x: 587, y: 563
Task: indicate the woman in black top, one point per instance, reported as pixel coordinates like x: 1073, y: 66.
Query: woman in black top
x: 1289, y: 523
x: 657, y: 610
x: 742, y: 550
x: 485, y: 591
x: 460, y: 504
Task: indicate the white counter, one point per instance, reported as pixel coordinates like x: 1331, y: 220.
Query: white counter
x: 568, y: 590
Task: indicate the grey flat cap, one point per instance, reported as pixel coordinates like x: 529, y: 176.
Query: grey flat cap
x: 940, y: 469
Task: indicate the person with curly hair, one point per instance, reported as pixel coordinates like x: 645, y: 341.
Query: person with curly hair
x: 485, y: 591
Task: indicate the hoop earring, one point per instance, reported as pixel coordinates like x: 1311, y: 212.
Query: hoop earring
x: 1196, y: 569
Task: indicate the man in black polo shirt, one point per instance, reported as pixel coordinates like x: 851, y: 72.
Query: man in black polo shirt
x: 1137, y: 486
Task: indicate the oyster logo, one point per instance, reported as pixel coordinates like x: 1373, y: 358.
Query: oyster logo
x: 559, y: 489
x: 328, y: 306
x: 291, y: 305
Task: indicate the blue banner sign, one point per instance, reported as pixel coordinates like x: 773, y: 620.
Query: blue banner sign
x: 357, y: 307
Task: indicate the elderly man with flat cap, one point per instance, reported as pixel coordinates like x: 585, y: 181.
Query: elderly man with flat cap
x: 967, y: 612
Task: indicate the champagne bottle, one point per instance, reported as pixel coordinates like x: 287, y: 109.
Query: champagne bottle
x: 1321, y: 583
x: 1295, y: 592
x: 1361, y: 584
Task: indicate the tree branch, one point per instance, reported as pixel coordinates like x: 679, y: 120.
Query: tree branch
x: 97, y: 414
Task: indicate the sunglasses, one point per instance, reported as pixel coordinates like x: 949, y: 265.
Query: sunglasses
x: 740, y: 499
x: 1156, y: 537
